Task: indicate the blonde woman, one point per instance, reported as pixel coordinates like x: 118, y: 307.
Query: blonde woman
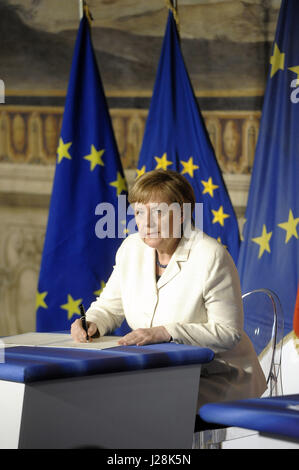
x: 172, y: 282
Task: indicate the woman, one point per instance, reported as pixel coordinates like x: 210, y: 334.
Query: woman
x: 173, y: 282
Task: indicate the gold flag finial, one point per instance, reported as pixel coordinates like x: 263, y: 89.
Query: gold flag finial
x: 174, y: 9
x: 87, y: 12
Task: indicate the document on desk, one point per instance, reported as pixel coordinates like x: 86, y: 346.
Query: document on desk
x: 58, y: 340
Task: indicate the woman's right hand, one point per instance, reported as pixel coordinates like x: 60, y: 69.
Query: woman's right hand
x: 78, y: 333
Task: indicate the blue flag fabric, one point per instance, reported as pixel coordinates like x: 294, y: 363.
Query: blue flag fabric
x: 76, y: 262
x: 269, y: 254
x: 176, y: 139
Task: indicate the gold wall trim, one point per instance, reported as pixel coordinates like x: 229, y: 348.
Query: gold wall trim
x: 15, y: 92
x: 30, y: 134
x: 219, y: 93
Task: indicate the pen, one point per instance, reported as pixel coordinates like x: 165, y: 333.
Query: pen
x: 83, y: 319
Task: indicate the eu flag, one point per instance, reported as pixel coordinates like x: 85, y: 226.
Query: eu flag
x: 78, y: 258
x: 175, y: 138
x: 269, y: 254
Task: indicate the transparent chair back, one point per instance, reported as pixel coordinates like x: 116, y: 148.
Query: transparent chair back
x: 263, y: 323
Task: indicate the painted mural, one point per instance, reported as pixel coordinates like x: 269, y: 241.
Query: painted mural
x: 226, y: 45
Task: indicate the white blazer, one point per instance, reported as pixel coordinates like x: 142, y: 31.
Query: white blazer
x: 197, y: 299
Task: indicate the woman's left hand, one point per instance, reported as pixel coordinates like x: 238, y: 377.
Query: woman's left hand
x: 142, y: 336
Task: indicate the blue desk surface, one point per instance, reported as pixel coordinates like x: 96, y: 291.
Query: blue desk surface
x: 28, y: 364
x: 276, y: 415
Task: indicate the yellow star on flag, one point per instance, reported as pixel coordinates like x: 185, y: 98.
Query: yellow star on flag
x: 63, y: 150
x: 162, y: 162
x: 296, y: 71
x: 140, y: 172
x: 263, y: 241
x: 189, y: 167
x: 99, y: 291
x: 219, y: 216
x: 95, y: 157
x: 125, y: 229
x: 40, y: 300
x: 209, y: 187
x: 277, y: 60
x: 120, y: 184
x: 290, y: 227
x: 72, y: 306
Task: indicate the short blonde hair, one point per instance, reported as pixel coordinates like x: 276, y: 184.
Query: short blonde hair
x: 168, y: 185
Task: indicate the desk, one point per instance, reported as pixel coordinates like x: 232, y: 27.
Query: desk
x: 125, y: 397
x: 275, y: 417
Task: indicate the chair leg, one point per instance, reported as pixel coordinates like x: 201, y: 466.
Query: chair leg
x: 210, y: 439
x: 195, y: 442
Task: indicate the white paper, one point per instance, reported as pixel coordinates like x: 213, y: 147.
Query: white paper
x: 58, y: 340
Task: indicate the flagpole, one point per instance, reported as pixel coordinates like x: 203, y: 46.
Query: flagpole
x: 81, y: 9
x: 172, y: 5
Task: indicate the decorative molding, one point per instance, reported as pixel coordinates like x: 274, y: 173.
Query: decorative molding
x: 31, y: 185
x: 29, y: 134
